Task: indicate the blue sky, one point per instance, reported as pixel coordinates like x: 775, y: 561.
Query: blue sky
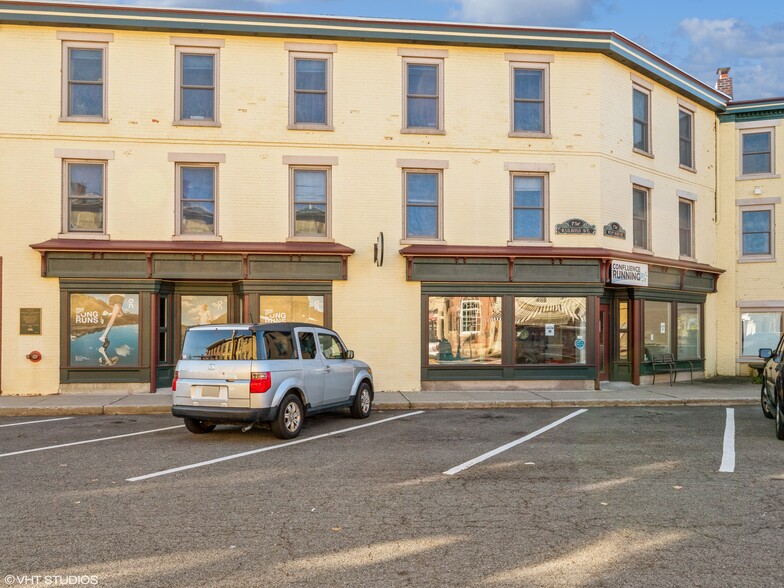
x: 695, y: 35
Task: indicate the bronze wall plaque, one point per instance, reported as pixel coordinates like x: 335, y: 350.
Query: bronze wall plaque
x: 29, y: 321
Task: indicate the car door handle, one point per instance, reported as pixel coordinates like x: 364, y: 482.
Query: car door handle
x: 231, y: 378
x: 327, y: 369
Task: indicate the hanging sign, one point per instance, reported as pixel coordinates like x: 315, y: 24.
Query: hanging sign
x: 629, y: 274
x: 614, y: 230
x: 575, y: 226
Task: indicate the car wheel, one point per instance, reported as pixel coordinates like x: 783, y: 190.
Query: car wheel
x: 197, y: 426
x: 363, y: 402
x: 767, y: 410
x: 288, y: 423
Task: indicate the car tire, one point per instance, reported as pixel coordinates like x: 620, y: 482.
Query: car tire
x: 363, y: 402
x: 197, y: 426
x: 291, y: 415
x: 767, y: 410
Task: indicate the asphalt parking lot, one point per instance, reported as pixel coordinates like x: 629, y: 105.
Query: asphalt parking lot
x: 666, y: 496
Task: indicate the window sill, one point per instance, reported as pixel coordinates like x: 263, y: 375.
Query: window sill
x: 422, y: 242
x: 642, y: 251
x: 769, y: 176
x: 688, y: 169
x: 759, y: 259
x: 310, y: 127
x: 197, y: 238
x: 195, y: 123
x: 310, y: 239
x: 645, y: 153
x: 687, y: 258
x: 423, y: 131
x: 521, y: 243
x: 84, y: 235
x: 84, y: 119
x: 530, y: 135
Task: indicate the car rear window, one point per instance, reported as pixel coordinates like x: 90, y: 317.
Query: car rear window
x: 219, y: 344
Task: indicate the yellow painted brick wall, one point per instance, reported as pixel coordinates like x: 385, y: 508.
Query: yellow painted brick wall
x: 590, y: 101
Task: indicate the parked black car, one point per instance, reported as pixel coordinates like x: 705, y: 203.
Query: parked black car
x: 772, y: 393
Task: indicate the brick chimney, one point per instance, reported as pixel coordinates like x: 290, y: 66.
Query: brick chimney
x: 724, y: 82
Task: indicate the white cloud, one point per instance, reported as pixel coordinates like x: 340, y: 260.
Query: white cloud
x: 249, y: 5
x: 755, y: 54
x: 553, y: 13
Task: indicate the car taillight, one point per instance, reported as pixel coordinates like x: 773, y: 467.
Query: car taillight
x: 174, y: 382
x: 260, y: 382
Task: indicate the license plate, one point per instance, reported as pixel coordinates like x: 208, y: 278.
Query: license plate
x: 210, y: 391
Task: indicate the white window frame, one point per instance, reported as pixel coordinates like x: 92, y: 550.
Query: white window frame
x: 184, y: 49
x: 752, y: 308
x: 771, y: 130
x: 66, y: 74
x: 66, y: 230
x: 545, y: 207
x: 316, y: 53
x: 439, y: 63
x: 470, y: 312
x: 293, y: 168
x: 518, y: 63
x: 179, y: 234
x: 690, y: 255
x: 647, y: 90
x: 648, y: 248
x: 757, y: 257
x: 692, y: 152
x: 440, y: 203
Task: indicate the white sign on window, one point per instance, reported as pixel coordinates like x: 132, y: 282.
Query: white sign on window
x: 627, y: 273
x: 549, y: 330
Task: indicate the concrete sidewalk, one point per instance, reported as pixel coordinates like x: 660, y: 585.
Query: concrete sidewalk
x: 722, y: 391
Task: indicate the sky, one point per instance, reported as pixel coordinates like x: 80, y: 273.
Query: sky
x: 698, y: 36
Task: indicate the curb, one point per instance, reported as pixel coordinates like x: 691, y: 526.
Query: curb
x: 30, y: 411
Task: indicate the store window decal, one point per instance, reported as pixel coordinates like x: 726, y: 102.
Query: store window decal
x: 104, y: 330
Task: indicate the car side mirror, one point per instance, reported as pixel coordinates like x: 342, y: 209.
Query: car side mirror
x: 348, y: 354
x: 765, y: 353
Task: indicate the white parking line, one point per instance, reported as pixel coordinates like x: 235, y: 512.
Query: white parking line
x: 489, y: 454
x: 263, y: 449
x: 728, y: 459
x: 88, y: 441
x: 33, y: 422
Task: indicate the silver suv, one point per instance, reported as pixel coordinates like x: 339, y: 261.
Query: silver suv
x: 276, y: 373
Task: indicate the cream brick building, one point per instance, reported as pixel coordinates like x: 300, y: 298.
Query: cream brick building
x: 547, y: 198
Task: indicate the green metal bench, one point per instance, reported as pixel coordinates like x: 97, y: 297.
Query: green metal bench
x: 665, y: 362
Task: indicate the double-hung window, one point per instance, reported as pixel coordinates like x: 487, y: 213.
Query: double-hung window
x: 529, y: 207
x: 640, y: 218
x: 423, y: 91
x: 84, y: 76
x: 756, y: 152
x: 530, y: 116
x: 197, y: 81
x: 641, y: 118
x: 423, y: 209
x: 310, y: 86
x: 310, y: 196
x: 85, y: 196
x: 686, y: 138
x: 197, y: 196
x: 686, y: 227
x: 757, y: 232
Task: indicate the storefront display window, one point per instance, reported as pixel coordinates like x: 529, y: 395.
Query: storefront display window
x: 689, y: 335
x: 656, y: 321
x: 104, y: 330
x: 759, y: 330
x: 464, y: 329
x: 203, y: 310
x: 296, y: 309
x: 550, y: 330
x: 623, y: 330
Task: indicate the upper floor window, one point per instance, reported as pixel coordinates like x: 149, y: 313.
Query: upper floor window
x: 85, y: 196
x: 422, y: 204
x: 686, y: 138
x: 84, y: 82
x: 529, y: 207
x: 756, y: 152
x: 640, y: 222
x: 310, y: 99
x: 529, y: 102
x: 424, y: 99
x: 641, y: 99
x: 756, y: 232
x: 310, y: 196
x: 197, y: 195
x: 196, y: 101
x: 686, y: 227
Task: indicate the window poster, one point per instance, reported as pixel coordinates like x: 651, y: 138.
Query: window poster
x: 203, y: 310
x: 104, y: 330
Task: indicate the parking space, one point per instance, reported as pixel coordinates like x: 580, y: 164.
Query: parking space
x: 628, y: 495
